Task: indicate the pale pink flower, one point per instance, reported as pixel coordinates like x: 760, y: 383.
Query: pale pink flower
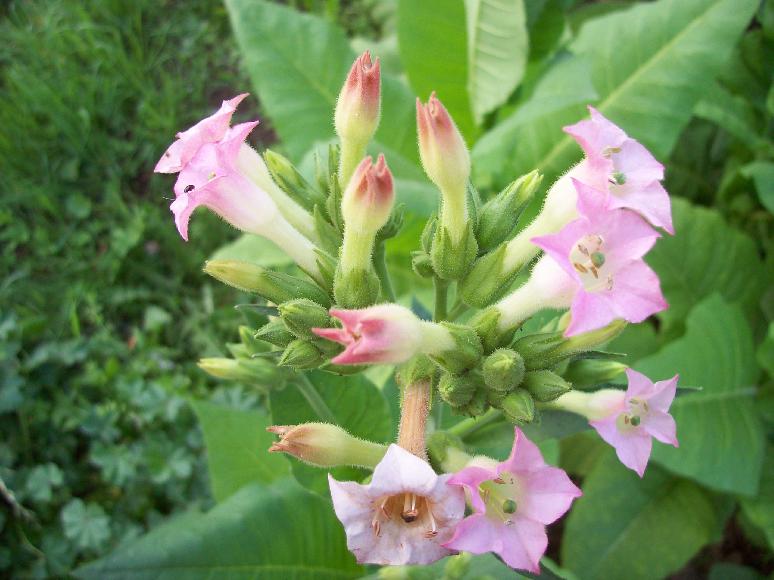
x: 209, y: 130
x: 368, y: 199
x: 385, y: 333
x: 513, y: 501
x: 618, y: 164
x: 403, y: 516
x: 601, y: 253
x: 357, y: 108
x: 641, y: 414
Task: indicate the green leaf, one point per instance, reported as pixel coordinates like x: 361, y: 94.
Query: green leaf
x: 765, y: 352
x: 705, y: 256
x: 87, y: 525
x: 762, y: 174
x: 352, y: 402
x: 41, y: 482
x: 731, y: 112
x: 432, y: 44
x: 759, y: 510
x: 721, y: 439
x: 650, y: 64
x: 237, y: 444
x: 279, y: 532
x: 559, y: 98
x: 613, y: 530
x: 298, y: 63
x: 497, y: 52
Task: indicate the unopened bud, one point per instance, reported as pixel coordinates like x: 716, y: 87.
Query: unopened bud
x: 452, y: 255
x: 485, y: 325
x: 545, y: 386
x: 488, y: 280
x: 467, y: 352
x: 325, y: 445
x: 519, y: 407
x: 302, y: 315
x: 537, y: 349
x: 248, y: 340
x: 591, y: 340
x: 275, y: 332
x: 499, y: 216
x: 275, y: 287
x: 356, y: 288
x: 422, y: 264
x: 442, y: 149
x: 503, y: 370
x: 357, y: 112
x: 428, y: 232
x: 254, y: 371
x: 288, y: 178
x: 301, y: 354
x: 458, y: 390
x: 477, y: 405
x: 368, y: 199
x: 590, y: 372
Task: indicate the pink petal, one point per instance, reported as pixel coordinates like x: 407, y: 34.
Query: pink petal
x: 471, y: 478
x: 560, y: 244
x: 639, y: 386
x: 590, y: 311
x: 664, y: 394
x: 662, y: 426
x: 596, y: 135
x: 548, y: 495
x: 182, y: 208
x: 477, y: 534
x: 650, y: 200
x: 335, y: 334
x: 637, y: 163
x: 401, y: 471
x: 525, y: 455
x: 632, y: 448
x: 523, y: 544
x: 636, y: 293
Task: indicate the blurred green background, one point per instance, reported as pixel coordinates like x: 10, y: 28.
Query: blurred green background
x: 104, y: 310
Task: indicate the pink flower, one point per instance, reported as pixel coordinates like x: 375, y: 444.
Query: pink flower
x: 368, y: 199
x: 601, y: 253
x: 357, y: 109
x: 209, y: 130
x: 621, y: 166
x: 643, y: 413
x: 403, y: 516
x: 513, y: 501
x: 385, y: 333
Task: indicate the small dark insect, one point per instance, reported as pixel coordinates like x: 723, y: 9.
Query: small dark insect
x: 189, y: 188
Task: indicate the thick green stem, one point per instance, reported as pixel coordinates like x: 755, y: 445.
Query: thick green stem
x: 380, y: 265
x: 441, y: 289
x: 469, y: 426
x: 319, y: 406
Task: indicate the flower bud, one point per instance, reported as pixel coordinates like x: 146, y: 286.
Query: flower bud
x: 356, y: 288
x: 275, y: 332
x: 301, y: 354
x: 465, y: 354
x: 487, y: 281
x: 503, y: 370
x: 367, y: 201
x: 485, y: 323
x: 545, y: 385
x: 477, y: 405
x: 301, y: 315
x: 357, y: 112
x: 325, y: 445
x: 442, y: 149
x: 275, y: 287
x: 590, y: 372
x: 499, y: 216
x: 249, y: 342
x: 537, y: 349
x: 458, y: 390
x: 422, y: 264
x: 244, y: 370
x: 288, y: 178
x: 452, y: 256
x: 519, y: 407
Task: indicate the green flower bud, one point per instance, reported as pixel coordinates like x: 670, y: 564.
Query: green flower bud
x: 477, y: 406
x: 422, y: 264
x: 419, y: 368
x: 496, y: 398
x: 503, y: 370
x: 325, y: 445
x: 326, y: 264
x: 467, y: 352
x: 275, y: 287
x: 394, y: 224
x: 330, y: 237
x: 301, y: 315
x: 488, y: 280
x: 275, y: 332
x: 452, y: 260
x: 545, y: 385
x: 253, y: 371
x: 485, y: 324
x: 519, y: 407
x: 590, y: 372
x: 499, y: 216
x: 537, y: 349
x: 291, y: 181
x: 251, y: 344
x: 356, y: 288
x: 457, y: 390
x: 301, y: 354
x: 428, y: 232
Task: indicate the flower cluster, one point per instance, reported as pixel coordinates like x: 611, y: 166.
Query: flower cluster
x: 596, y: 225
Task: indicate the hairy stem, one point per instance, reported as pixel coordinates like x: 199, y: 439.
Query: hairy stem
x: 415, y: 407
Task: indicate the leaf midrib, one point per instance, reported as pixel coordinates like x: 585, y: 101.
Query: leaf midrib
x: 557, y: 149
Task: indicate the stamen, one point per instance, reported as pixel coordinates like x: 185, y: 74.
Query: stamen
x: 580, y: 267
x: 377, y: 528
x: 608, y: 151
x: 433, y: 531
x: 410, y: 512
x: 384, y: 510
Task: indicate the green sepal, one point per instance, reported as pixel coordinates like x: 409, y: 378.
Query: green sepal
x: 301, y: 315
x: 467, y: 352
x: 330, y: 237
x: 275, y: 332
x: 487, y: 281
x: 422, y: 264
x: 419, y: 368
x: 485, y: 325
x: 452, y: 260
x: 519, y: 407
x: 545, y: 386
x: 356, y: 288
x: 498, y: 218
x: 301, y: 354
x: 288, y: 178
x: 458, y: 390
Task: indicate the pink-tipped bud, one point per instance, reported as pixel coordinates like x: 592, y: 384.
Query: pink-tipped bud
x: 357, y: 110
x: 367, y: 202
x: 325, y: 445
x: 444, y: 155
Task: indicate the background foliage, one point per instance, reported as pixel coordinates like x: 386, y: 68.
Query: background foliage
x: 104, y: 309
